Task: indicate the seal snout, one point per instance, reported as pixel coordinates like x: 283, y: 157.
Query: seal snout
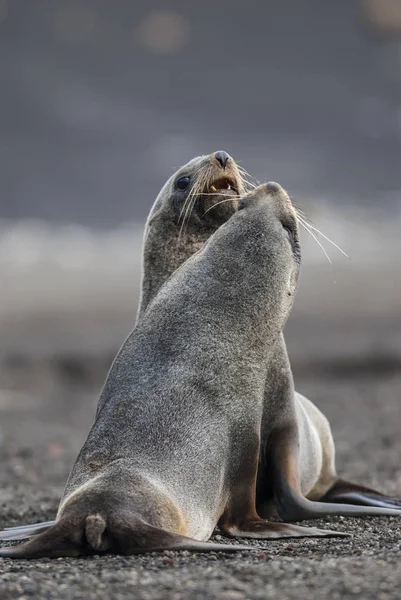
x: 271, y: 193
x: 230, y: 180
x: 272, y: 187
x: 222, y: 158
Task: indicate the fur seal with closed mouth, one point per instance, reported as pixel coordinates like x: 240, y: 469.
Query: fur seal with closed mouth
x: 175, y: 445
x: 288, y: 415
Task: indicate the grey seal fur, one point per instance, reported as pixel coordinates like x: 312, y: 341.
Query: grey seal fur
x: 181, y: 221
x: 164, y: 249
x: 175, y: 445
x: 179, y: 224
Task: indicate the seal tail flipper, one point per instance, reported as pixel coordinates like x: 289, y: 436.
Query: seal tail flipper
x: 352, y: 493
x: 24, y: 531
x: 94, y: 535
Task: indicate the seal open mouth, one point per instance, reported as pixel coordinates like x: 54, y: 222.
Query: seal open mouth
x: 220, y: 197
x: 224, y: 183
x: 217, y: 187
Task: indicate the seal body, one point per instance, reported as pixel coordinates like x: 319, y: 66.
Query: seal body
x: 165, y: 248
x: 296, y: 472
x: 172, y: 452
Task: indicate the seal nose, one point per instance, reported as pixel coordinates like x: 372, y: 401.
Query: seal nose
x: 273, y: 187
x: 222, y: 157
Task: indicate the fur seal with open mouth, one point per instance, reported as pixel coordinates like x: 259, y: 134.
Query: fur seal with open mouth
x: 189, y: 208
x: 175, y: 446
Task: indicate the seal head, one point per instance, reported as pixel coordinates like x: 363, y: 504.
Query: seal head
x: 191, y: 206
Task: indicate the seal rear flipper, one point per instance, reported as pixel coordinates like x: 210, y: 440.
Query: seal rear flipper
x: 93, y: 535
x: 57, y: 541
x: 24, y: 531
x: 352, y: 493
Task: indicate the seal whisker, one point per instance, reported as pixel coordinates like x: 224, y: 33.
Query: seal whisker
x: 315, y: 238
x: 230, y: 199
x: 303, y: 220
x: 251, y: 185
x: 202, y: 183
x: 234, y: 197
x: 190, y: 201
x: 193, y: 192
x: 299, y: 210
x: 245, y: 176
x: 185, y: 206
x: 190, y: 206
x: 241, y: 168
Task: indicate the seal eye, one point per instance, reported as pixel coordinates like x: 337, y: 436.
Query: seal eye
x: 182, y: 183
x: 288, y: 233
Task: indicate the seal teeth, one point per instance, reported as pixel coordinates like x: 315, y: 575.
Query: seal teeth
x: 213, y: 188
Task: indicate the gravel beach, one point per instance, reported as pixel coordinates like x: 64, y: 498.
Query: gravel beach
x: 42, y: 431
x: 347, y: 359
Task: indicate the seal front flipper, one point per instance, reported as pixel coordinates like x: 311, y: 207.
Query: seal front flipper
x: 293, y: 506
x: 260, y: 529
x: 240, y: 518
x: 283, y: 460
x: 24, y: 531
x: 353, y: 493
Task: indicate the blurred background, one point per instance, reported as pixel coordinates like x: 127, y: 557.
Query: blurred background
x: 101, y: 101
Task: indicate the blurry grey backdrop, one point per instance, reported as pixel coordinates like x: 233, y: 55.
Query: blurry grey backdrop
x: 102, y: 100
